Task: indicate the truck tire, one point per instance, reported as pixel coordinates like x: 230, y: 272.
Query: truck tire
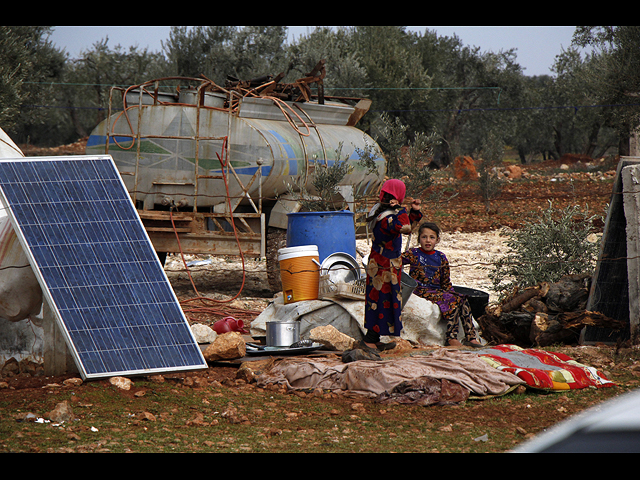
x: 276, y: 239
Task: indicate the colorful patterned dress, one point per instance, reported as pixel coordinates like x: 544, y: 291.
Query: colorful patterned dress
x: 383, y: 292
x: 431, y: 271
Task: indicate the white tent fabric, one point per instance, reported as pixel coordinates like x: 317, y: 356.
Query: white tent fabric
x: 20, y: 293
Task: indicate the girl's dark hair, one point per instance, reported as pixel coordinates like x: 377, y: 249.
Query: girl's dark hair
x: 387, y: 197
x: 430, y: 226
x: 384, y: 205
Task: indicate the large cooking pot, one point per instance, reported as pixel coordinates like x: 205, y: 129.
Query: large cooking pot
x: 282, y: 334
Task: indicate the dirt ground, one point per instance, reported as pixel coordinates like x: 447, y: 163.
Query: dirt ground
x: 471, y: 240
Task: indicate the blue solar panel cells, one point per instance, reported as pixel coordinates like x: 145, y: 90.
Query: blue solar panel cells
x: 98, y: 266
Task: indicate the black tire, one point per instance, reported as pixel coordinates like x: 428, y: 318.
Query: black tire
x: 162, y: 256
x: 276, y: 239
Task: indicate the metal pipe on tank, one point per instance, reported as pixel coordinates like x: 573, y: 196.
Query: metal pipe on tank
x: 324, y: 150
x: 196, y: 166
x: 138, y: 143
x: 255, y: 130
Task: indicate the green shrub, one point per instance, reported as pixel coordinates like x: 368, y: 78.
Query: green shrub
x: 546, y: 250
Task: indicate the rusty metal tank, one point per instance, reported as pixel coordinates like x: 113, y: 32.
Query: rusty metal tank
x: 216, y: 170
x: 187, y: 152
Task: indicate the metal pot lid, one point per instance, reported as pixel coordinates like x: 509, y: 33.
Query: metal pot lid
x: 341, y: 267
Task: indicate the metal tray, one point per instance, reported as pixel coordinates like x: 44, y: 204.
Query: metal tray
x: 253, y: 349
x: 341, y: 267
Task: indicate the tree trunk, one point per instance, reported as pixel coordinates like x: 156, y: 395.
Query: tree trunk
x: 624, y: 145
x: 592, y: 141
x: 522, y: 156
x: 77, y: 124
x: 557, y: 142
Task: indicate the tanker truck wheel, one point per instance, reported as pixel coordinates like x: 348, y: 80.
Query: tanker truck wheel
x: 276, y: 239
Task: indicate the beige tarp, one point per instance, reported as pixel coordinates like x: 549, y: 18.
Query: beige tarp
x: 376, y: 377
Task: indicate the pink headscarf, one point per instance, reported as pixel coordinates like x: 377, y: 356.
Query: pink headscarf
x: 395, y: 187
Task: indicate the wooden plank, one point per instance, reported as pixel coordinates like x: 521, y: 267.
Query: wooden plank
x: 162, y: 215
x: 609, y: 293
x: 631, y: 200
x: 167, y: 229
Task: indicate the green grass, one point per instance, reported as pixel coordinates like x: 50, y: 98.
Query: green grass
x: 239, y: 420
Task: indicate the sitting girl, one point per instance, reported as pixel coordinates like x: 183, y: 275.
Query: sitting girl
x: 430, y: 268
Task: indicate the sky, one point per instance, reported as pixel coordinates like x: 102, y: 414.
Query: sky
x: 536, y: 46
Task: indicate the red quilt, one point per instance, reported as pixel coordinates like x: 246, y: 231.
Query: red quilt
x: 544, y: 370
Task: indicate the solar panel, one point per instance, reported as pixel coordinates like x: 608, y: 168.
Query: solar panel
x: 97, y: 267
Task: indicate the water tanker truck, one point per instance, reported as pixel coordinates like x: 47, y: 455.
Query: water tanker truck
x: 211, y: 169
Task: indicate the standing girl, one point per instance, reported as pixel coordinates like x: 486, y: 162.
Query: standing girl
x: 388, y: 220
x: 430, y: 268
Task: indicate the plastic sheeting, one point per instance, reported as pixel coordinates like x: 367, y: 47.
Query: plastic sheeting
x: 20, y: 292
x: 420, y: 318
x: 8, y: 149
x: 346, y: 316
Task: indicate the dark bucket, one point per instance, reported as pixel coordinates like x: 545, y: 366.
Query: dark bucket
x: 407, y: 286
x: 478, y: 300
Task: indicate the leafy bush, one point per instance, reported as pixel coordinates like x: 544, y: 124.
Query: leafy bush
x: 408, y: 154
x: 545, y: 251
x: 323, y: 194
x: 325, y: 182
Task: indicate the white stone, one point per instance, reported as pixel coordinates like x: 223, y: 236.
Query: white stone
x: 122, y: 383
x: 203, y: 333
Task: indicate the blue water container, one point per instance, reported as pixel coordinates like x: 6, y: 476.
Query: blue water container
x: 332, y: 232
